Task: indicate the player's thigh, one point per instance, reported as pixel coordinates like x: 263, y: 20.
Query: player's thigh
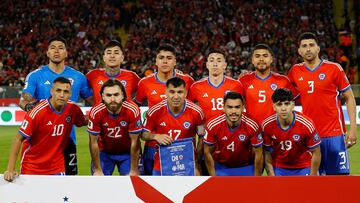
x: 148, y: 159
x: 70, y: 158
x: 123, y: 163
x: 107, y: 163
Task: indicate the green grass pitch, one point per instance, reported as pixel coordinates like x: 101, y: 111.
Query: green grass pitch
x: 8, y: 132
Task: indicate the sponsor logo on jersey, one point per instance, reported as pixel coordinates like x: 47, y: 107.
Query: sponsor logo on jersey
x: 316, y: 137
x: 186, y: 124
x: 123, y: 82
x: 49, y: 123
x: 343, y: 167
x: 106, y: 124
x: 251, y: 87
x: 153, y: 92
x: 301, y: 79
x: 123, y: 123
x: 68, y: 119
x: 242, y: 137
x: 205, y: 95
x: 224, y: 138
x: 273, y: 86
x: 47, y: 83
x: 296, y: 137
x: 273, y: 137
x: 163, y: 123
x: 100, y: 82
x: 322, y: 76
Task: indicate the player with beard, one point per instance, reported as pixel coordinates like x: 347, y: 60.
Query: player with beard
x: 233, y: 143
x: 259, y: 85
x: 321, y: 79
x: 38, y: 84
x: 114, y: 128
x: 113, y: 58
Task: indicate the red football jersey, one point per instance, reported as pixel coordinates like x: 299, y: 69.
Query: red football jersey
x: 233, y: 147
x: 152, y: 89
x: 319, y: 94
x: 114, y: 131
x: 290, y: 146
x: 47, y: 133
x: 97, y: 77
x: 210, y: 97
x: 189, y: 122
x: 258, y: 92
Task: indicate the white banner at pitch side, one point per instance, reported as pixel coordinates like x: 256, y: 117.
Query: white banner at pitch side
x: 14, y: 115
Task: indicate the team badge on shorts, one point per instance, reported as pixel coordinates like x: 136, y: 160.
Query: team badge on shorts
x: 273, y: 86
x: 242, y: 137
x: 322, y: 76
x: 68, y: 119
x: 296, y: 137
x: 186, y: 124
x: 123, y: 82
x: 123, y: 123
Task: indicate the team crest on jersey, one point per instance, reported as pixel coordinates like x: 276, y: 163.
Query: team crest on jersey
x: 259, y: 137
x: 186, y: 124
x: 316, y: 137
x: 71, y: 81
x: 322, y: 76
x: 296, y: 137
x: 123, y: 82
x: 68, y: 119
x: 273, y: 86
x: 123, y: 123
x: 138, y: 123
x: 242, y: 137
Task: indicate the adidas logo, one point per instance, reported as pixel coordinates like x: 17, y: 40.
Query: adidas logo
x: 153, y: 92
x: 224, y: 138
x: 205, y: 95
x: 163, y: 124
x: 49, y: 123
x: 251, y: 87
x: 343, y: 167
x: 273, y: 137
x: 101, y: 82
x: 106, y: 124
x: 47, y: 83
x: 301, y: 79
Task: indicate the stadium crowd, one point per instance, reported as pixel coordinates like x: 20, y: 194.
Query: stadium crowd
x: 193, y: 26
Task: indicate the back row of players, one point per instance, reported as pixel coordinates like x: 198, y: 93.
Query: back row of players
x: 230, y: 141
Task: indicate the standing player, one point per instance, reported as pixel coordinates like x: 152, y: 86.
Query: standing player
x: 113, y: 58
x: 258, y: 86
x: 152, y: 89
x: 209, y: 92
x: 173, y: 119
x: 293, y: 138
x: 233, y: 143
x: 321, y: 79
x: 117, y: 122
x: 39, y: 82
x: 45, y: 133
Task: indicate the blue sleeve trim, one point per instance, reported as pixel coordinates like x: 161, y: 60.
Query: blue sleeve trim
x: 314, y: 146
x: 93, y: 132
x: 209, y: 143
x: 345, y: 89
x: 24, y: 135
x: 136, y: 131
x: 257, y: 145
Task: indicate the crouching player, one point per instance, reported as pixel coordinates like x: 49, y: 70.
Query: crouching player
x: 292, y: 144
x: 233, y: 143
x: 114, y: 128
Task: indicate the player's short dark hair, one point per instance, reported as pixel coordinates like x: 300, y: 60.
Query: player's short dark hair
x: 62, y: 80
x: 111, y: 83
x: 307, y: 35
x: 262, y: 46
x: 215, y: 51
x: 282, y: 95
x: 57, y: 38
x: 175, y: 82
x: 233, y: 95
x: 166, y: 47
x: 113, y: 43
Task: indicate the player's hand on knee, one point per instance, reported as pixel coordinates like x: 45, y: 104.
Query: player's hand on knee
x: 134, y: 173
x: 10, y: 175
x: 163, y: 139
x: 98, y: 173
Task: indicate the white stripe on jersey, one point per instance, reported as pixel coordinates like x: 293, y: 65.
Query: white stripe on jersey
x: 37, y: 108
x: 156, y: 107
x: 22, y: 158
x: 96, y: 110
x: 333, y: 63
x: 267, y: 121
x: 306, y: 122
x: 196, y: 108
x: 216, y: 121
x: 250, y: 122
x: 131, y: 107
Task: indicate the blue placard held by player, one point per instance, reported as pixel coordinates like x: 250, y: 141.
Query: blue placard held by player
x: 178, y: 158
